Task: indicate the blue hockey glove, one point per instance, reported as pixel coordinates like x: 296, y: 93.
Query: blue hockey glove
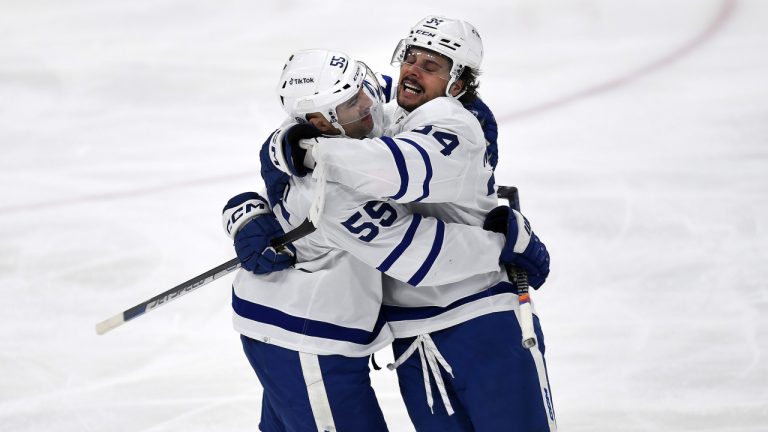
x: 253, y: 249
x: 490, y: 129
x: 522, y: 248
x: 286, y: 151
x: 249, y: 222
x: 242, y: 208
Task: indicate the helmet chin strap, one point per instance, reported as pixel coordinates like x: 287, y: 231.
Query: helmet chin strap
x: 333, y: 119
x: 340, y: 128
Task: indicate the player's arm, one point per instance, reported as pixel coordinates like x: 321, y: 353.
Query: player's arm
x: 427, y: 163
x: 410, y: 247
x: 416, y: 249
x: 424, y: 164
x: 483, y: 114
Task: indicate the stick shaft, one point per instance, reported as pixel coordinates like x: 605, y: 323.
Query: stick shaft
x: 520, y: 277
x: 168, y: 296
x: 196, y: 282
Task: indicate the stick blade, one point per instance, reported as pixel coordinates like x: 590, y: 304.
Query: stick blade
x: 109, y: 324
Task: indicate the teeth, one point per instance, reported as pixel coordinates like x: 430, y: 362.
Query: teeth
x: 411, y: 87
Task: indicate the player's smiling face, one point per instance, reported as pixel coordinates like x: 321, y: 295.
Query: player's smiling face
x: 424, y: 76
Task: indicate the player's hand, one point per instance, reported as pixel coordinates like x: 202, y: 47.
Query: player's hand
x: 241, y: 209
x: 253, y: 249
x: 288, y: 148
x: 523, y: 248
x: 248, y: 220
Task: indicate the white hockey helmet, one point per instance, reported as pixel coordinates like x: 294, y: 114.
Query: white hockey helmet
x: 320, y: 81
x: 458, y: 40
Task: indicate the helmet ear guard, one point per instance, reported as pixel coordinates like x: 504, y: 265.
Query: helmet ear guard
x: 455, y: 39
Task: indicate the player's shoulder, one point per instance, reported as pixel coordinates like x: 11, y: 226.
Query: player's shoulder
x: 447, y: 113
x: 440, y: 106
x: 444, y: 109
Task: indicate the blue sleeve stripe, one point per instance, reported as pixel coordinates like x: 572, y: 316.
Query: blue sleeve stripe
x: 284, y: 212
x: 398, y: 251
x: 427, y: 167
x: 432, y: 257
x: 401, y: 168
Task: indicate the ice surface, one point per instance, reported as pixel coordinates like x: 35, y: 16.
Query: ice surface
x: 636, y: 131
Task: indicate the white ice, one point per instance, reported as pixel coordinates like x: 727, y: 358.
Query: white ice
x: 637, y: 132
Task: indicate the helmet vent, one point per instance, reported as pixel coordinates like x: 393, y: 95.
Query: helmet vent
x: 442, y: 43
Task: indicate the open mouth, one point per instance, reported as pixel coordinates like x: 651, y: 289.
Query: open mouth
x: 411, y: 87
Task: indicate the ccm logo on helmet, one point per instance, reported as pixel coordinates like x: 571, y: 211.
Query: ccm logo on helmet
x: 307, y: 80
x: 425, y: 33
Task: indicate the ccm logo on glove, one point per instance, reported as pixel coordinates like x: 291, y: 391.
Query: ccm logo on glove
x: 241, y: 209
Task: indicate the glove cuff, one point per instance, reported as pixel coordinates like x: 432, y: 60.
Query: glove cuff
x: 241, y: 209
x: 286, y: 150
x: 518, y: 223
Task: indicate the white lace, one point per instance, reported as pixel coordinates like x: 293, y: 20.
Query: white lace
x: 429, y: 356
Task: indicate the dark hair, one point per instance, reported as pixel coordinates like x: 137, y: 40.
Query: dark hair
x: 469, y: 77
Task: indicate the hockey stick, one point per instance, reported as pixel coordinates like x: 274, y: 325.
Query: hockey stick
x: 279, y: 243
x: 167, y: 296
x: 196, y: 282
x: 520, y: 277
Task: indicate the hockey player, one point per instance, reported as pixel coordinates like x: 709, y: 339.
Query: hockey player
x: 434, y: 158
x: 307, y: 331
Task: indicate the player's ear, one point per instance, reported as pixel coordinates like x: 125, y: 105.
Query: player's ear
x: 457, y: 87
x: 323, y: 125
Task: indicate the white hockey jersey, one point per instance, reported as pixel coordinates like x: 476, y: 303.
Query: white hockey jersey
x: 434, y: 160
x: 330, y: 303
